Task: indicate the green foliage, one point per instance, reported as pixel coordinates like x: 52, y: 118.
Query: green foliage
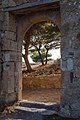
x: 36, y: 58
x: 44, y: 37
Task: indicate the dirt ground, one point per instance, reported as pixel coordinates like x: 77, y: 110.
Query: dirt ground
x: 42, y: 90
x: 42, y: 95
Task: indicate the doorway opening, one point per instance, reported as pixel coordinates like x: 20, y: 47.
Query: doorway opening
x: 41, y: 74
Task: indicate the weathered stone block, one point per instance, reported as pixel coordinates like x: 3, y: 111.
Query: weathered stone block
x: 1, y: 25
x: 19, y: 47
x: 10, y: 56
x: 77, y: 74
x: 18, y: 84
x: 10, y: 35
x: 71, y: 95
x: 11, y: 98
x: 78, y: 36
x: 75, y: 113
x: 11, y: 45
x: 63, y: 65
x: 18, y: 77
x: 75, y: 106
x: 7, y: 57
x: 0, y: 71
x: 65, y: 79
x: 65, y: 112
x: 19, y: 56
x: 8, y: 77
x: 70, y: 64
x: 10, y: 22
x: 8, y: 3
x: 1, y: 15
x: 18, y: 2
x: 70, y: 12
x: 18, y: 67
x: 65, y: 29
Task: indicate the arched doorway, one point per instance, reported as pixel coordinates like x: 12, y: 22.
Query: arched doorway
x: 26, y: 21
x: 15, y: 20
x: 44, y: 77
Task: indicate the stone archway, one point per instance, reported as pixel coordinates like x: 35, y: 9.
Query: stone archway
x: 44, y: 82
x: 14, y: 29
x: 15, y: 20
x: 28, y: 20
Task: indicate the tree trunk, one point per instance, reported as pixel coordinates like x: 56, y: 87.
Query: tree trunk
x: 40, y: 56
x: 27, y: 40
x: 27, y: 63
x: 46, y: 57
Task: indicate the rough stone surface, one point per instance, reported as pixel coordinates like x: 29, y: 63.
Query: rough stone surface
x: 8, y: 3
x: 70, y: 61
x: 12, y: 31
x: 9, y: 22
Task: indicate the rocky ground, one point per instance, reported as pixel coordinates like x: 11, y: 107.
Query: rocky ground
x: 47, y: 76
x: 38, y: 69
x: 43, y: 84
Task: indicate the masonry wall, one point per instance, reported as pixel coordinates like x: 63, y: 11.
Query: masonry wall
x: 11, y: 41
x: 1, y: 55
x: 10, y: 59
x: 10, y: 56
x: 70, y: 18
x: 18, y: 2
x: 10, y: 3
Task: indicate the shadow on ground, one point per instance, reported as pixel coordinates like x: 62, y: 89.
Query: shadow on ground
x: 35, y: 111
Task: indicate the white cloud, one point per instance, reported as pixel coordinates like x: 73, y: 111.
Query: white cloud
x: 55, y: 53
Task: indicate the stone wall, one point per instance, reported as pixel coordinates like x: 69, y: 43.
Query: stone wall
x: 70, y: 18
x: 2, y: 99
x: 7, y: 27
x: 12, y: 58
x: 11, y: 36
x: 10, y: 3
x: 13, y: 31
x: 9, y: 58
x: 18, y: 2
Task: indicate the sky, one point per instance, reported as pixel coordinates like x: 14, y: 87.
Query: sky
x: 55, y: 53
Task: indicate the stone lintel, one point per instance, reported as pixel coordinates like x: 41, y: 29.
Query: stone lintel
x: 34, y: 6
